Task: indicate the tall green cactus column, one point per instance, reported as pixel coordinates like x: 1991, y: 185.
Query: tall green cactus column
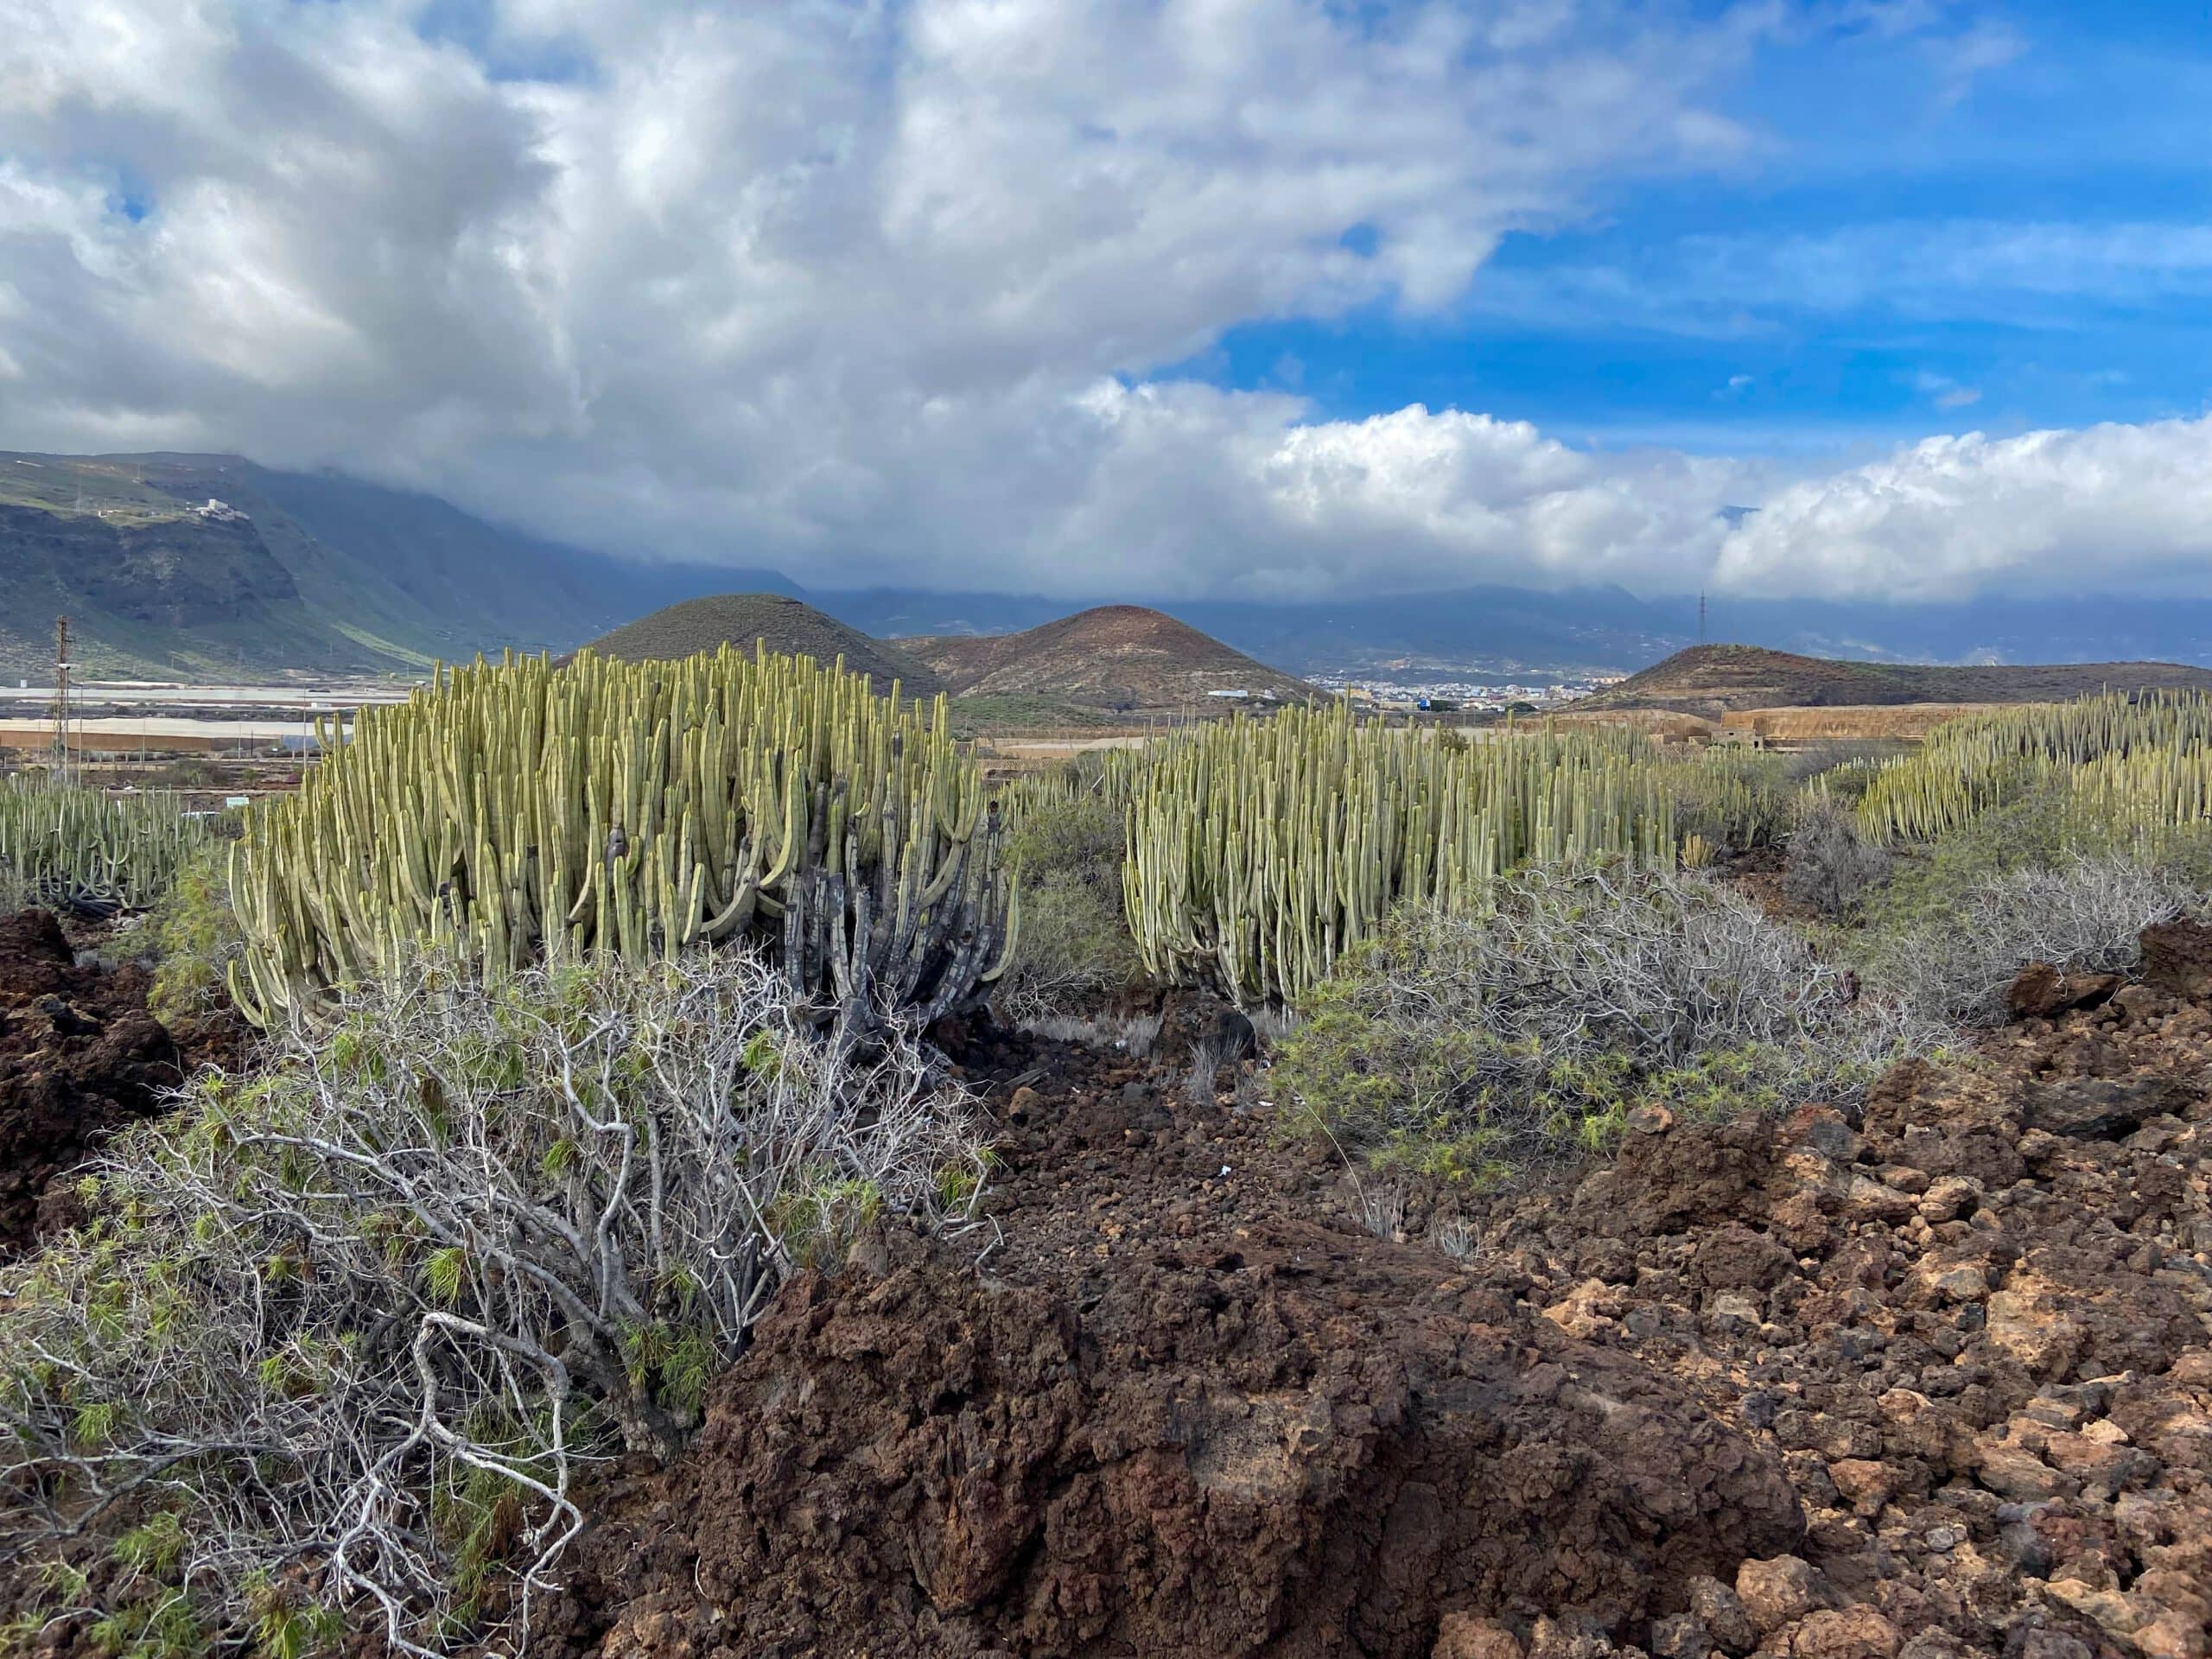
x: 520, y: 812
x: 1259, y: 852
x: 64, y: 844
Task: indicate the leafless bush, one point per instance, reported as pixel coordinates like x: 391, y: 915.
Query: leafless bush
x: 1271, y: 1026
x: 354, y: 1323
x: 1476, y: 1045
x: 1134, y: 1034
x: 1455, y: 1238
x: 1382, y: 1209
x: 1206, y: 1061
x: 2080, y: 915
x: 1830, y: 868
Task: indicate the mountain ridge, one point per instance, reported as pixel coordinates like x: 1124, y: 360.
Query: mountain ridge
x: 777, y: 620
x: 313, y: 571
x: 375, y: 580
x: 1118, y: 657
x: 1715, y: 680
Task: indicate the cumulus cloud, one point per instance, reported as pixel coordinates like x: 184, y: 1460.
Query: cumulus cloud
x: 879, y: 291
x: 889, y: 290
x: 2109, y: 507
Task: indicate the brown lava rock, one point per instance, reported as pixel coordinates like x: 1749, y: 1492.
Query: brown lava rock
x: 1187, y: 1407
x: 2043, y: 993
x: 79, y: 1057
x: 1925, y: 1380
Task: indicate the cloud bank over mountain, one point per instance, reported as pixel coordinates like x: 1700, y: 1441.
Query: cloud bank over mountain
x: 884, y: 292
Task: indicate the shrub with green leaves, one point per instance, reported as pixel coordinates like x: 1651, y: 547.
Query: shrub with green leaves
x: 196, y: 939
x: 1066, y: 845
x: 1472, y: 1046
x: 353, y: 1322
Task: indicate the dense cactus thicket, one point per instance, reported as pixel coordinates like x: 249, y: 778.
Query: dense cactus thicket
x: 1259, y: 853
x: 60, y: 845
x: 2133, y: 764
x: 520, y: 813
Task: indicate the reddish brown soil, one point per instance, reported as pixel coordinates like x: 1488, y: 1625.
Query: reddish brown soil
x: 1977, y: 1323
x: 1933, y: 1381
x: 79, y: 1057
x: 1930, y: 1379
x: 1186, y: 1406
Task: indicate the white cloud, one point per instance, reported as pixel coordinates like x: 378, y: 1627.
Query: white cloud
x: 1945, y: 392
x: 817, y: 282
x: 2105, y: 508
x: 883, y: 291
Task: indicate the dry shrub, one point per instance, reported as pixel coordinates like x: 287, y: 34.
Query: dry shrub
x: 1133, y: 1034
x: 1470, y: 1047
x: 2033, y: 879
x: 1830, y: 868
x: 2081, y: 915
x: 352, y: 1325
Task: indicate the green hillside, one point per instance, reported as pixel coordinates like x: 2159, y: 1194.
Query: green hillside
x: 311, y: 571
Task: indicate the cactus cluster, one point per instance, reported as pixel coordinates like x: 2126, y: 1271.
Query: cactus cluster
x: 60, y: 844
x: 1259, y: 853
x: 2140, y: 765
x: 521, y: 813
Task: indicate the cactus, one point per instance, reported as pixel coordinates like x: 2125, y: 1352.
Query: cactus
x: 2142, y: 765
x: 1258, y: 854
x: 521, y: 813
x: 60, y: 844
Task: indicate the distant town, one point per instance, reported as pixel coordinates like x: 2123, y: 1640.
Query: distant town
x: 1468, y: 694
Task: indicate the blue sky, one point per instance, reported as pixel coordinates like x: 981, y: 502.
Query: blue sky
x: 2000, y: 221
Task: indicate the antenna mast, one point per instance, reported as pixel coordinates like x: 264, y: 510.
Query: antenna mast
x: 61, y: 699
x: 1701, y: 619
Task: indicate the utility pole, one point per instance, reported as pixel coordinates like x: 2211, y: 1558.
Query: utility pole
x: 1701, y: 619
x: 61, y: 699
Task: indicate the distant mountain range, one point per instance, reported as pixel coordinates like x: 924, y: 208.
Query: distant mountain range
x: 1523, y: 633
x: 321, y: 572
x: 288, y: 570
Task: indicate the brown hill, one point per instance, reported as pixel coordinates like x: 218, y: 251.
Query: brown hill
x: 1114, y: 657
x: 783, y: 623
x: 1717, y: 680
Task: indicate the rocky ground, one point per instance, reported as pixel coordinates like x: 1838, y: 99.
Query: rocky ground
x: 79, y: 1057
x: 1924, y: 1379
x: 1929, y: 1379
